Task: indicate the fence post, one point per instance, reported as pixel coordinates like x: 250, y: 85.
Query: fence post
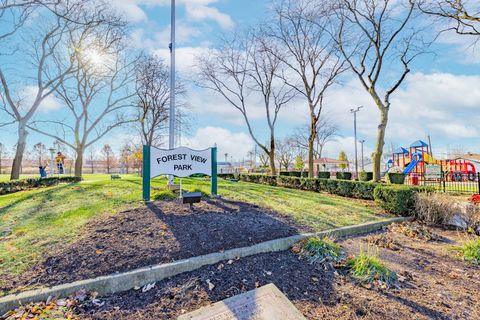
x: 443, y: 180
x: 478, y: 179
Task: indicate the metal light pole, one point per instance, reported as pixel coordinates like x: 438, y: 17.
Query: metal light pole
x: 171, y: 140
x: 362, y: 142
x: 52, y: 160
x: 354, y: 111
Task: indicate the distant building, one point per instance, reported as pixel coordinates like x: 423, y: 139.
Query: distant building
x: 327, y: 165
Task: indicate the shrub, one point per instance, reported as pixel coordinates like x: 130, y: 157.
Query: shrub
x: 269, y: 180
x: 165, y: 195
x: 323, y: 175
x: 284, y: 173
x: 310, y: 184
x: 344, y: 175
x: 367, y: 268
x: 365, y: 176
x: 397, y: 200
x: 295, y: 174
x: 364, y: 190
x: 470, y: 250
x: 220, y: 175
x: 322, y: 250
x: 25, y: 184
x: 395, y: 178
x: 435, y: 207
x: 345, y: 188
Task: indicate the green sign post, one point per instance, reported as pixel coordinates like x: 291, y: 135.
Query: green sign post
x: 180, y: 162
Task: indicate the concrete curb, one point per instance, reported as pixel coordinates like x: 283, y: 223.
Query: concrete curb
x: 139, y: 277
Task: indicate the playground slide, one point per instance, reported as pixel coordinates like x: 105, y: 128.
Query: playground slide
x: 388, y: 165
x: 416, y: 158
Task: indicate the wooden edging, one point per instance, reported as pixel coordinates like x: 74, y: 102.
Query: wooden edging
x: 118, y: 282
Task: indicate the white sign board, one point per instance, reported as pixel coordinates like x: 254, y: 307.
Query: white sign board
x: 181, y: 162
x: 433, y: 171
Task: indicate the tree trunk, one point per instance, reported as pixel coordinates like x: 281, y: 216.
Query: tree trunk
x: 377, y: 157
x: 271, y: 155
x: 21, y: 144
x: 311, y: 145
x: 79, y: 163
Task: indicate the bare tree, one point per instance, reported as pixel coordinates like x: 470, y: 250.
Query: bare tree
x: 50, y: 73
x: 378, y: 39
x: 45, y: 46
x: 327, y: 131
x: 3, y: 153
x: 13, y: 15
x: 126, y: 155
x: 153, y: 100
x: 107, y: 153
x: 313, y: 59
x: 243, y: 68
x: 40, y: 151
x: 462, y: 16
x: 91, y: 158
x: 98, y: 94
x: 286, y: 153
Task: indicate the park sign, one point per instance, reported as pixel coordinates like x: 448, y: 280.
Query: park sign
x: 181, y: 162
x: 433, y: 171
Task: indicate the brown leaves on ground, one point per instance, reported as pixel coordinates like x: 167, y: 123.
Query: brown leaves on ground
x: 382, y: 240
x: 52, y: 308
x: 415, y: 231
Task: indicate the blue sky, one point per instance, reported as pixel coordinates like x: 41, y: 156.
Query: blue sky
x: 440, y: 98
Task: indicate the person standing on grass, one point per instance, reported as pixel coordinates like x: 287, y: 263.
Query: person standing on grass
x: 43, y: 170
x: 59, y: 160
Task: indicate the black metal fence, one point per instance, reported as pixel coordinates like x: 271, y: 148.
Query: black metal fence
x: 455, y: 182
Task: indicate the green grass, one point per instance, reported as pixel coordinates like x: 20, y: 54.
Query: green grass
x: 368, y: 268
x: 35, y: 221
x: 316, y: 210
x: 322, y: 250
x: 470, y: 250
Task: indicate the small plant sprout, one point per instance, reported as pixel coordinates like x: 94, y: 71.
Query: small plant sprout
x: 322, y: 250
x: 470, y: 250
x: 367, y: 268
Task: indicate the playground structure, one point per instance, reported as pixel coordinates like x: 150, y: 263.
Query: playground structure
x: 413, y: 162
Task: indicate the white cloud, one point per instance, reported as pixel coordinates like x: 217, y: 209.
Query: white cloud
x: 442, y: 105
x: 203, y: 12
x: 196, y: 10
x: 48, y: 104
x: 184, y: 57
x: 236, y: 145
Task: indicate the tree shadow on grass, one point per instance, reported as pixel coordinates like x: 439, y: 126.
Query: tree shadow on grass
x: 44, y: 194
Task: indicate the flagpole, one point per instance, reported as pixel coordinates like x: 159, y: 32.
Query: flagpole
x: 171, y: 140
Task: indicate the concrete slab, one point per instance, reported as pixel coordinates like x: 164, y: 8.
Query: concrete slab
x: 264, y: 303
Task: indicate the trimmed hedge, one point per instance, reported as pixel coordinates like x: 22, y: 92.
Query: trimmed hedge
x: 225, y: 175
x: 344, y: 175
x: 365, y: 176
x: 298, y: 174
x: 399, y: 200
x: 395, y: 199
x: 395, y: 178
x: 20, y: 185
x: 323, y: 175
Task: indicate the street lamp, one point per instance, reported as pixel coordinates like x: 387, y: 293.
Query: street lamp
x: 362, y: 142
x: 171, y: 133
x: 354, y: 111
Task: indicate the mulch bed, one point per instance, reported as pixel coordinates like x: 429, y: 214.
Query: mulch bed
x: 434, y: 284
x: 158, y: 233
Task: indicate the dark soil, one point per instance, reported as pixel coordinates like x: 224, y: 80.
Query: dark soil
x: 434, y: 284
x: 158, y: 233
